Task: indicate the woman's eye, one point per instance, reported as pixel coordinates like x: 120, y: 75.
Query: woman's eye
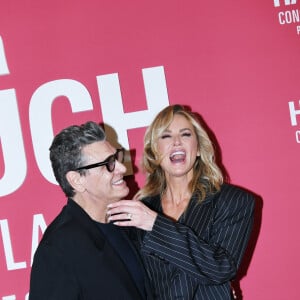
x: 165, y: 136
x: 186, y: 134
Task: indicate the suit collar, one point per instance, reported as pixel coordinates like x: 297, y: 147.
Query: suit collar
x: 86, y: 222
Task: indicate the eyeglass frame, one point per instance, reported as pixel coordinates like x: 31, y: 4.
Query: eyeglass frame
x: 105, y: 162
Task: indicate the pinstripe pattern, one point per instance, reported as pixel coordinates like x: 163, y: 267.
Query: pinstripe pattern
x: 198, y: 256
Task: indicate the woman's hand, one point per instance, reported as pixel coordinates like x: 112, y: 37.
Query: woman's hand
x: 131, y: 213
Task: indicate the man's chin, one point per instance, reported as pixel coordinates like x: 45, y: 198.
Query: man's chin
x: 122, y: 194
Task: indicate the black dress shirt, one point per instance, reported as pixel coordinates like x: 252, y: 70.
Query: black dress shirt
x: 121, y: 244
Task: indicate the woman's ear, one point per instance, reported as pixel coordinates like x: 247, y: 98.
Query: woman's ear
x: 76, y: 181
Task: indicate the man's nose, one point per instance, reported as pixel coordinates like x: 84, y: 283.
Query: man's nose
x: 120, y: 167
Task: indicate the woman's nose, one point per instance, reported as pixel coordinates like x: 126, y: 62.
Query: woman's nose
x: 177, y: 140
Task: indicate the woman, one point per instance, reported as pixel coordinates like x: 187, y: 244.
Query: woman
x: 195, y: 227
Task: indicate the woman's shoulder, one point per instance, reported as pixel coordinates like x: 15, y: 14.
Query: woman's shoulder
x: 152, y: 202
x: 234, y: 194
x: 228, y: 188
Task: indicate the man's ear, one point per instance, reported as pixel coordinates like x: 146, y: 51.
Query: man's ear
x: 76, y: 181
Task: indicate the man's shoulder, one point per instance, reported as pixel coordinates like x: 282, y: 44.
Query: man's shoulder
x: 65, y: 231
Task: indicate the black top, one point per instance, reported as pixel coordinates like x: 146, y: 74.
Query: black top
x: 119, y: 241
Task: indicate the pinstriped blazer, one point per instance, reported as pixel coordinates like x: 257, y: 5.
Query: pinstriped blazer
x: 198, y: 256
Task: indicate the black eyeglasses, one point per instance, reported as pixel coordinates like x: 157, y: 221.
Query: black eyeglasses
x: 110, y: 162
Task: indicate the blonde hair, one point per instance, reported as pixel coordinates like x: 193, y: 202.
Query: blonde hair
x: 207, y: 176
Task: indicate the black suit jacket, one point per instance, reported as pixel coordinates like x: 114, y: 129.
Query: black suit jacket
x: 198, y: 255
x: 74, y: 261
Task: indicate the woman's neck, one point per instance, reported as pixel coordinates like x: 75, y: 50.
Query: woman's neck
x: 175, y: 200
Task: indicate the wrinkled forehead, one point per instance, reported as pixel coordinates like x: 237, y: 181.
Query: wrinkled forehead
x: 97, y: 151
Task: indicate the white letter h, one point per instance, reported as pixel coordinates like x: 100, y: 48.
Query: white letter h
x: 293, y: 113
x: 112, y: 107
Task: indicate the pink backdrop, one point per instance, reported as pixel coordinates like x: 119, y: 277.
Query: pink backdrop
x: 234, y: 62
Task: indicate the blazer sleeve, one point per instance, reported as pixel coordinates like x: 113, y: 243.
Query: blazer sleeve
x: 212, y: 260
x: 50, y: 277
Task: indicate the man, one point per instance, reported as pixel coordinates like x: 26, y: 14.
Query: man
x: 80, y: 255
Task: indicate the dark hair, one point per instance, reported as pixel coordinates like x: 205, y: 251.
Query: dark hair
x: 66, y: 150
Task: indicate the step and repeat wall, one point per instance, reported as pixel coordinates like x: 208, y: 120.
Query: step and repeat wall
x: 236, y: 63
